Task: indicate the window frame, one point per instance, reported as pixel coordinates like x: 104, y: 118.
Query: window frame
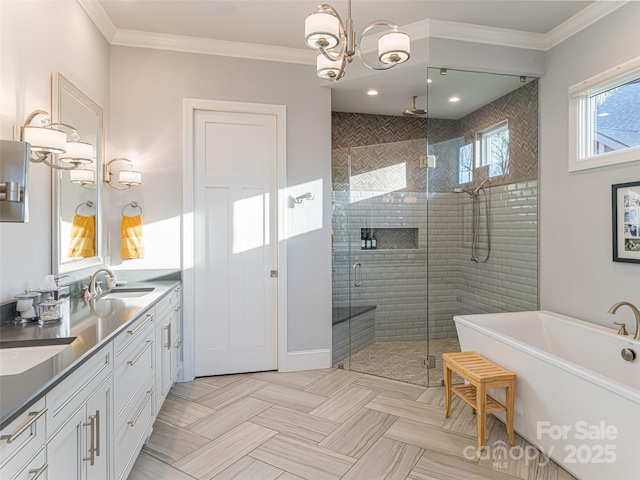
x: 581, y: 118
x: 482, y: 137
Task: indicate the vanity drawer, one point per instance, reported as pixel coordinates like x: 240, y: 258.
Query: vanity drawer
x: 72, y: 392
x: 176, y: 297
x: 163, y: 305
x: 25, y: 468
x: 126, y: 340
x: 131, y: 436
x: 24, y: 435
x: 128, y: 376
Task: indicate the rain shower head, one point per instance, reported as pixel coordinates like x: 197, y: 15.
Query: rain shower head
x: 414, y: 112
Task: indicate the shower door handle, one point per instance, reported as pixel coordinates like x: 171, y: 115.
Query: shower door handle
x: 357, y: 267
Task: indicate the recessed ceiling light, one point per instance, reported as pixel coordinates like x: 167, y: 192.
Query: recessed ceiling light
x: 372, y: 92
x: 429, y: 80
x: 603, y: 114
x: 454, y: 99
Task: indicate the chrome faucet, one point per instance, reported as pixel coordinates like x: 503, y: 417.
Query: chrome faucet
x: 92, y: 282
x: 636, y: 312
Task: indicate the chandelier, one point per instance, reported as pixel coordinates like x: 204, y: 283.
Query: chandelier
x: 325, y: 31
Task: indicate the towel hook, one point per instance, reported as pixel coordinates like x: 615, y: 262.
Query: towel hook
x: 132, y: 205
x: 88, y: 203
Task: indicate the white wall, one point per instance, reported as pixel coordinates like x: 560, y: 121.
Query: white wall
x: 577, y: 274
x: 38, y: 38
x: 147, y: 91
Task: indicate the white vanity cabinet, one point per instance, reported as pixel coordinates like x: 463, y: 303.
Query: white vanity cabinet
x: 79, y: 421
x: 92, y: 425
x: 134, y: 385
x: 81, y: 448
x: 22, y: 444
x: 176, y: 332
x: 168, y: 344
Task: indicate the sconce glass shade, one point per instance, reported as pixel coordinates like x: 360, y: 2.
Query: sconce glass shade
x: 394, y: 47
x: 323, y: 28
x: 328, y: 69
x: 82, y: 176
x: 45, y: 140
x: 129, y: 177
x: 77, y: 153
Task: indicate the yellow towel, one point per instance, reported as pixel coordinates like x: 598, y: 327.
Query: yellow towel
x: 83, y: 237
x: 131, y: 235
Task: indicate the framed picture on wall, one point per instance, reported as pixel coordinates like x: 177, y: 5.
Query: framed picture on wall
x: 625, y: 201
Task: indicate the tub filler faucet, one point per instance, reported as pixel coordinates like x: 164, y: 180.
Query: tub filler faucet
x: 636, y: 312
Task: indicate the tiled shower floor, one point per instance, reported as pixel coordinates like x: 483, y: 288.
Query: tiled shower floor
x: 402, y: 361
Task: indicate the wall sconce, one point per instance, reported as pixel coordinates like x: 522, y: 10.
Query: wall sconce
x: 48, y: 140
x: 129, y: 178
x: 84, y: 177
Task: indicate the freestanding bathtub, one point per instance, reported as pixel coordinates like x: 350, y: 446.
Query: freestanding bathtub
x: 576, y: 398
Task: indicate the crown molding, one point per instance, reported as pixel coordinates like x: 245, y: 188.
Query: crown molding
x: 467, y: 32
x: 100, y: 18
x: 580, y: 21
x: 208, y: 46
x: 428, y: 28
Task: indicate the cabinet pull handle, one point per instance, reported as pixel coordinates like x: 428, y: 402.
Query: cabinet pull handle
x: 141, y: 409
x: 97, y: 433
x: 132, y: 362
x: 37, y: 472
x: 92, y: 448
x: 168, y: 329
x: 34, y: 416
x: 133, y: 332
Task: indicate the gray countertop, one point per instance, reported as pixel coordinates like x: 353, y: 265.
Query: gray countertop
x: 93, y: 324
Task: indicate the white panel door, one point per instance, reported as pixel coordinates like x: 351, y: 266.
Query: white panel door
x: 236, y: 242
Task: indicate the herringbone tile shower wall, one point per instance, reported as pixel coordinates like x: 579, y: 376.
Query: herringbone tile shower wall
x: 520, y: 109
x: 445, y: 137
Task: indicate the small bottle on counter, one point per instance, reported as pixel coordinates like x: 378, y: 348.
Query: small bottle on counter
x: 374, y: 242
x: 363, y: 240
x: 368, y: 241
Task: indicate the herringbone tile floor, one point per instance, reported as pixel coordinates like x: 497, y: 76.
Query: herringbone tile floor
x: 324, y: 424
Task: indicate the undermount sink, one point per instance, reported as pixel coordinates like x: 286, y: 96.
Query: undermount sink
x: 128, y: 292
x: 20, y: 359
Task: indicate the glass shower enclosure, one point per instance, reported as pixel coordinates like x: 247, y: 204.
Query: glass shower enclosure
x: 415, y: 246
x: 380, y: 260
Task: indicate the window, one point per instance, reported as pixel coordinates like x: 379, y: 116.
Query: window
x: 604, y: 118
x: 465, y: 163
x: 493, y: 149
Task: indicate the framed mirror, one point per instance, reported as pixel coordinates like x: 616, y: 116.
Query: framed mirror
x: 76, y: 210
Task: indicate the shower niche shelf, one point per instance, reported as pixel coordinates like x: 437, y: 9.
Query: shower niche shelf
x: 392, y: 238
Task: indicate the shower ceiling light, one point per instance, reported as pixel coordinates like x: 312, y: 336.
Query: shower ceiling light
x: 325, y: 31
x: 372, y: 92
x: 454, y: 99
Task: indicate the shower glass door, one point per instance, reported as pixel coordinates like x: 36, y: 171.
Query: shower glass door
x: 482, y: 201
x: 379, y: 260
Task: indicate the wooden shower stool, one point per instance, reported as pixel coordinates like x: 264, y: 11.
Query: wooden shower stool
x: 481, y: 375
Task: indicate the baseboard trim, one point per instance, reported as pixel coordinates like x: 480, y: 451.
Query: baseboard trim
x: 307, y: 360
